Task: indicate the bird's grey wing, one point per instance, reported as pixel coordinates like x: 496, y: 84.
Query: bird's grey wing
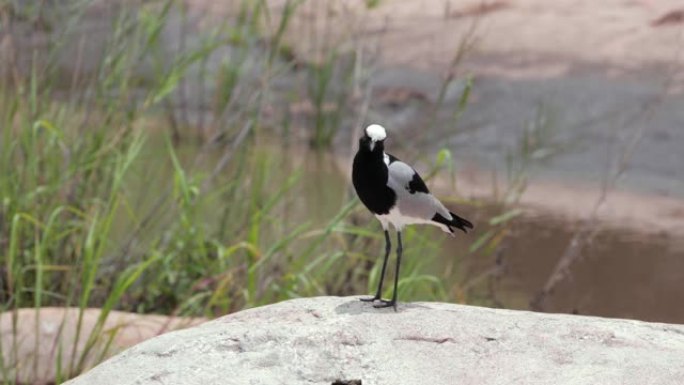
x: 413, y: 197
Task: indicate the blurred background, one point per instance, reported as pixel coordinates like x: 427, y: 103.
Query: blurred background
x: 191, y: 158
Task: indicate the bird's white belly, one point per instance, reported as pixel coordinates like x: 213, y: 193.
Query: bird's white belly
x: 396, y: 219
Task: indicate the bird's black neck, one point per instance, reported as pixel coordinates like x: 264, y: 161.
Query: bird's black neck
x: 369, y: 175
x: 367, y: 146
x: 370, y: 161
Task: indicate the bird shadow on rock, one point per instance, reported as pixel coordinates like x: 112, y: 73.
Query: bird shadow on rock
x: 356, y: 306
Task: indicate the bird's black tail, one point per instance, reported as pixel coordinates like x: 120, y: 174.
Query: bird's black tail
x: 456, y: 221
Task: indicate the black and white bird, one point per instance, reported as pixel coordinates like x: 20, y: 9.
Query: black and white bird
x: 396, y: 194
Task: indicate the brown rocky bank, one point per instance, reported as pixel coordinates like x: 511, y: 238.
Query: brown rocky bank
x: 33, y: 342
x: 325, y: 339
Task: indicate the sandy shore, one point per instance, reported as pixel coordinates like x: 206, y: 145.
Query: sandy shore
x: 425, y: 33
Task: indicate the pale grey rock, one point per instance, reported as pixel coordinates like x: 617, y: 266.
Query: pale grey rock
x: 320, y: 340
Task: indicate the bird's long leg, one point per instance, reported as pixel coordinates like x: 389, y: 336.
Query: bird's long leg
x: 388, y: 248
x: 393, y: 302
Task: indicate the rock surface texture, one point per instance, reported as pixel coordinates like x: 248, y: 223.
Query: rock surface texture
x: 327, y: 339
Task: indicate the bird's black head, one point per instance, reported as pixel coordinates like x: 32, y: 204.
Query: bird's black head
x: 373, y: 138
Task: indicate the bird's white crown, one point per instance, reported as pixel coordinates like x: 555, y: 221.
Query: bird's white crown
x: 376, y: 132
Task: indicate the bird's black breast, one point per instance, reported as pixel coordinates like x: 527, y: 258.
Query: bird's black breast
x: 369, y: 176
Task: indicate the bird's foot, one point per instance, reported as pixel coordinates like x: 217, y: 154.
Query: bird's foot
x: 370, y: 299
x: 384, y: 303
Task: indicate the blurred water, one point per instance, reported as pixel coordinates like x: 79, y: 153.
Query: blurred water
x: 619, y: 274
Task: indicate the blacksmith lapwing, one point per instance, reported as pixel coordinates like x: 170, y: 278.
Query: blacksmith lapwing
x: 396, y: 194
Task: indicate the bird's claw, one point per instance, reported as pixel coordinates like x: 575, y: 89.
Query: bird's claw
x: 384, y: 303
x: 370, y: 299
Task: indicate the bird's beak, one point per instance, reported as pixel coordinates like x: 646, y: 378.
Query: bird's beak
x: 371, y: 145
